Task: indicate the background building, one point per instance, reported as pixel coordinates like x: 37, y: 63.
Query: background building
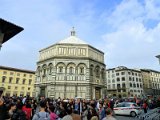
x: 70, y: 68
x: 147, y: 83
x: 17, y: 81
x: 124, y: 82
x: 151, y: 81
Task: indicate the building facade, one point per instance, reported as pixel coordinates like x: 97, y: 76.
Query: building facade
x: 70, y: 68
x: 124, y: 82
x: 17, y: 82
x: 151, y: 81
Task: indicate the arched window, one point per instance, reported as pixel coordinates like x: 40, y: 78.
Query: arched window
x: 134, y: 85
x: 113, y: 81
x: 130, y: 84
x: 38, y: 71
x: 97, y: 72
x: 71, y: 70
x: 103, y: 74
x: 81, y: 70
x: 60, y: 69
x: 44, y: 72
x: 3, y: 79
x: 140, y: 85
x: 118, y: 79
x: 123, y: 78
x: 50, y: 69
x: 123, y: 85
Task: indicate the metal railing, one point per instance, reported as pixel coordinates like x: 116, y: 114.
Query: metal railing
x: 150, y: 115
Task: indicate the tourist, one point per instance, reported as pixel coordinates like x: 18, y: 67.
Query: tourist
x: 3, y: 109
x: 84, y: 111
x: 94, y: 115
x: 20, y: 115
x: 12, y: 109
x: 42, y: 115
x: 101, y: 111
x: 27, y: 109
x: 145, y: 106
x: 51, y: 109
x: 109, y: 115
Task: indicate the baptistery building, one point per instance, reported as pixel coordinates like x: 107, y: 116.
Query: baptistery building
x: 71, y: 68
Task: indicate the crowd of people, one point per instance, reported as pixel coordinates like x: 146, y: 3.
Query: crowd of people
x: 27, y: 108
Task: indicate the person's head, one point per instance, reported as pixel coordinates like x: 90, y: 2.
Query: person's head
x: 108, y: 111
x: 94, y: 112
x: 12, y: 106
x: 92, y: 105
x: 42, y: 104
x: 51, y: 108
x: 19, y: 100
x: 19, y: 106
x: 100, y: 105
x: 62, y: 105
x: 84, y: 107
x: 28, y: 104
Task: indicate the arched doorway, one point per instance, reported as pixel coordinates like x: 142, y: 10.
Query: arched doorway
x: 42, y: 91
x: 97, y: 92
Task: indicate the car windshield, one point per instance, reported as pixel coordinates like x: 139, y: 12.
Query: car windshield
x: 127, y: 105
x: 134, y: 105
x: 121, y: 105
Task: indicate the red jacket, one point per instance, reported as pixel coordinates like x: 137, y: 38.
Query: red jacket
x: 144, y: 105
x: 27, y: 112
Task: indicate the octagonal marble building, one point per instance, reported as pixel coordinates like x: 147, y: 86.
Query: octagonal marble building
x: 71, y: 68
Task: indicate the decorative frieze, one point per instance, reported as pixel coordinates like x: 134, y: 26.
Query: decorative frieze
x: 78, y: 51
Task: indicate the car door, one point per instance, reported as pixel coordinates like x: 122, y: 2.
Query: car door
x: 127, y: 109
x: 118, y: 109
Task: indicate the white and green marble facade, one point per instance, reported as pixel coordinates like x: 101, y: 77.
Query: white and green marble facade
x: 71, y: 68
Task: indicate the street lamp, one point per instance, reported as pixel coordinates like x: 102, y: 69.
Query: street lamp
x: 7, y: 31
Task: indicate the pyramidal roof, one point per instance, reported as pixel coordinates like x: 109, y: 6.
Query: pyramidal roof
x: 72, y: 39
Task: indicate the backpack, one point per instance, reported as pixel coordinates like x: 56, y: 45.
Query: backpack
x: 21, y: 115
x: 42, y: 117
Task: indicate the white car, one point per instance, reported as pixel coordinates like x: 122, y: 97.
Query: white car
x: 127, y: 108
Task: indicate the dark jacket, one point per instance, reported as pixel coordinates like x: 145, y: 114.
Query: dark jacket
x: 158, y: 103
x: 3, y: 112
x: 18, y: 115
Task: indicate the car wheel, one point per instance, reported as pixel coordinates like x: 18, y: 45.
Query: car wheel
x: 133, y: 114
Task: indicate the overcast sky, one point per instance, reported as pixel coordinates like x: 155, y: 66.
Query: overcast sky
x: 127, y: 31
